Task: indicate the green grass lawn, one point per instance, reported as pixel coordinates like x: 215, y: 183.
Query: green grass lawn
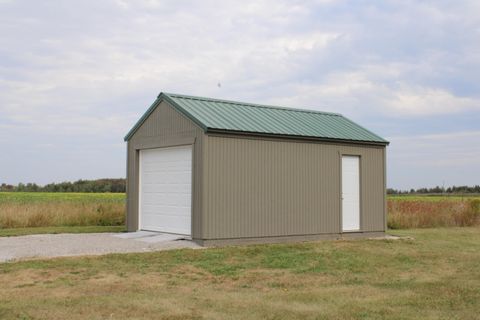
x: 434, y: 276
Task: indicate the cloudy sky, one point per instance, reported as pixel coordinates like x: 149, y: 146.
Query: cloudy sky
x: 76, y: 75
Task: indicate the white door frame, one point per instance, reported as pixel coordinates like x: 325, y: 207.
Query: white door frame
x: 359, y: 193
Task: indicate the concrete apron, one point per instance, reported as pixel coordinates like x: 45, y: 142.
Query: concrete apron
x: 66, y: 245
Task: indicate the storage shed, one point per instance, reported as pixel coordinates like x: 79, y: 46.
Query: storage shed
x: 225, y: 172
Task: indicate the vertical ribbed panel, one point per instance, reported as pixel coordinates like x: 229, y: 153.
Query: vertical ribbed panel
x: 374, y: 191
x: 165, y: 125
x: 259, y: 188
x: 132, y: 188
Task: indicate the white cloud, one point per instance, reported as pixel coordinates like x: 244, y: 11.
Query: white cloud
x: 429, y: 101
x: 306, y: 42
x: 359, y: 92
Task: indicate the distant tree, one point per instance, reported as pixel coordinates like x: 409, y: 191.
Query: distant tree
x: 392, y: 191
x: 7, y: 187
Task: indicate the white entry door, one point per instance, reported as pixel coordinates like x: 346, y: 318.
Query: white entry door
x: 350, y: 193
x: 165, y: 189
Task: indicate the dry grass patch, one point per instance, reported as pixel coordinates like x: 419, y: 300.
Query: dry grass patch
x: 26, y: 210
x: 61, y: 214
x: 404, y: 213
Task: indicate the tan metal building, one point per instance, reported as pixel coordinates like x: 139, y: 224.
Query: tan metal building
x: 225, y: 172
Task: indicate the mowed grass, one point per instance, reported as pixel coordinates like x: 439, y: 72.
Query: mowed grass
x: 409, y: 211
x: 433, y: 275
x: 42, y: 209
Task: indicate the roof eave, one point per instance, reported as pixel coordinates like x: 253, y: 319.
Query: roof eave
x: 297, y: 137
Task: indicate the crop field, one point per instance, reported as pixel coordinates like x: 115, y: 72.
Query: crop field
x: 408, y: 211
x: 42, y: 197
x: 433, y: 198
x: 42, y: 209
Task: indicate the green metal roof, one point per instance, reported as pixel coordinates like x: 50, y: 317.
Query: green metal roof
x: 214, y: 115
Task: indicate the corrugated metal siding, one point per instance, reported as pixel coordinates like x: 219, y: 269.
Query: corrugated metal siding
x: 164, y: 126
x: 257, y: 188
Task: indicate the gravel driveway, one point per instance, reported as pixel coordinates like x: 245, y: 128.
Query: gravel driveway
x: 64, y: 245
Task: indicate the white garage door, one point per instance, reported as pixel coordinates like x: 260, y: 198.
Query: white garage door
x: 350, y: 193
x: 165, y: 193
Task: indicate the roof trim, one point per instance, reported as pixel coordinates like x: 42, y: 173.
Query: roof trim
x: 162, y: 97
x: 141, y: 120
x: 372, y: 133
x: 293, y: 137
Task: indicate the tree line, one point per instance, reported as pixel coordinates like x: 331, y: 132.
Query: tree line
x: 119, y: 186
x: 97, y: 186
x: 437, y: 190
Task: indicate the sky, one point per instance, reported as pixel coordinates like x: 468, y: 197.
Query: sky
x: 76, y: 75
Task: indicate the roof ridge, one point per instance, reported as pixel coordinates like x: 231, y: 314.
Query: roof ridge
x: 248, y: 104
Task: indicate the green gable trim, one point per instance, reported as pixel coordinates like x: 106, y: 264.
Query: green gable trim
x: 161, y: 97
x: 142, y: 120
x: 215, y: 115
